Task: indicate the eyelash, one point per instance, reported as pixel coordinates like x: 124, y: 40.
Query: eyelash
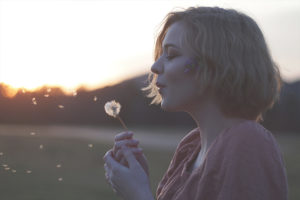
x: 170, y: 57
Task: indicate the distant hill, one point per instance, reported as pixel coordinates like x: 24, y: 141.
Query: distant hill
x: 56, y: 108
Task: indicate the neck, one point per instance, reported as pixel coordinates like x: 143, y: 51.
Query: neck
x: 211, y: 122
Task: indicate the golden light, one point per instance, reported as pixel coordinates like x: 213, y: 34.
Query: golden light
x: 88, y: 43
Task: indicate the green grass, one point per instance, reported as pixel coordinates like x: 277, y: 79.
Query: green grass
x: 82, y: 168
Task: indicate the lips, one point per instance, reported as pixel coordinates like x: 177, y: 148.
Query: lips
x: 160, y: 87
x: 160, y: 90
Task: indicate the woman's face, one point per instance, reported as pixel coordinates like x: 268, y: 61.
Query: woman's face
x: 175, y: 80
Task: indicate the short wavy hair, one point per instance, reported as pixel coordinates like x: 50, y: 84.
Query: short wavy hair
x: 236, y: 65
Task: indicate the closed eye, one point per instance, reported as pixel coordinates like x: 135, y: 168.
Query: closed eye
x: 170, y: 57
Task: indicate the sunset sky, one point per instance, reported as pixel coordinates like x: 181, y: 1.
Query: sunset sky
x: 97, y: 43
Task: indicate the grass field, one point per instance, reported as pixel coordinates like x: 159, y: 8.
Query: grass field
x: 28, y: 172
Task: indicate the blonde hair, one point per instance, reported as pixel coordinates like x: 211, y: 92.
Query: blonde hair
x: 235, y: 61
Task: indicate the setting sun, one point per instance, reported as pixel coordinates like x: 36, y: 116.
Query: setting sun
x: 97, y: 43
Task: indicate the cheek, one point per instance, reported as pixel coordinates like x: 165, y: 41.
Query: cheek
x: 175, y: 74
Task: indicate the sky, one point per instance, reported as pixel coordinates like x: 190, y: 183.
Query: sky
x: 95, y: 43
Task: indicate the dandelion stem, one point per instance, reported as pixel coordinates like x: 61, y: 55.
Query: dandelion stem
x: 122, y: 122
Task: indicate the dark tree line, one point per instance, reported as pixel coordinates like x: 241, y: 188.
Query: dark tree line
x: 82, y: 109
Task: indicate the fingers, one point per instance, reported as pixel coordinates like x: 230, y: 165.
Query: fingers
x: 126, y: 142
x: 110, y: 161
x: 135, y: 151
x: 124, y: 135
x: 130, y: 158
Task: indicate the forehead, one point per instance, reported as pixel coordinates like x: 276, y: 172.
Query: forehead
x: 174, y: 35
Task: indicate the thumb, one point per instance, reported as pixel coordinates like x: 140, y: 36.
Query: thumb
x: 132, y: 162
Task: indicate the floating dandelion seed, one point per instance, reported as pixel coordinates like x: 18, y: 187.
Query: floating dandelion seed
x: 13, y: 171
x: 28, y: 171
x: 60, y: 179
x: 32, y: 133
x: 90, y: 145
x: 58, y: 165
x: 112, y: 108
x: 7, y: 168
x: 41, y: 146
x: 95, y: 98
x: 46, y: 95
x: 1, y: 153
x: 61, y: 106
x: 34, y: 101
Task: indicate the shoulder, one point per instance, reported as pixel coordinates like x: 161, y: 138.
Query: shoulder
x: 250, y: 138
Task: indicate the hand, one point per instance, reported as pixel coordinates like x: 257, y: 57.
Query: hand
x: 131, y: 183
x: 126, y: 139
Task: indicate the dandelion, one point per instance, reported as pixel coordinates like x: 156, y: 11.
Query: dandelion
x: 4, y: 165
x: 58, y: 166
x: 41, y: 146
x: 90, y: 145
x: 1, y: 153
x: 60, y: 179
x: 46, y: 95
x: 95, y: 98
x: 112, y: 108
x: 28, y: 171
x: 7, y: 168
x: 32, y: 133
x: 61, y: 106
x: 13, y: 171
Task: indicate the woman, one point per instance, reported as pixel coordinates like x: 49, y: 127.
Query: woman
x: 214, y: 64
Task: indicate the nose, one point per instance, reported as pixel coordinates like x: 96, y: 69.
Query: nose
x: 157, y: 67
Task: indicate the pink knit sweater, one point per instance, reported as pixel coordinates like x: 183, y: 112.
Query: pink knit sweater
x: 244, y: 162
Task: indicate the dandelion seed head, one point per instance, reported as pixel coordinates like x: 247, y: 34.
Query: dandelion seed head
x: 60, y: 179
x: 61, y: 106
x: 4, y: 165
x: 90, y: 145
x: 1, y: 153
x: 112, y: 108
x: 7, y: 168
x: 58, y: 165
x: 23, y: 91
x: 75, y: 93
x: 49, y: 90
x: 41, y: 146
x: 28, y: 171
x: 13, y: 171
x: 46, y: 95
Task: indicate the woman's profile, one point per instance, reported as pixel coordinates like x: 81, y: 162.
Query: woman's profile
x: 213, y: 64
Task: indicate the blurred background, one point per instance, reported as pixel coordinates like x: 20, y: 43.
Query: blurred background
x: 61, y: 61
